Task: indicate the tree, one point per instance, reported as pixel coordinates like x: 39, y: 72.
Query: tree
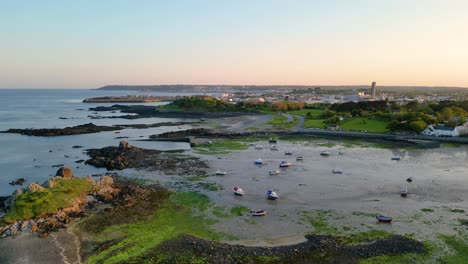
x: 417, y: 126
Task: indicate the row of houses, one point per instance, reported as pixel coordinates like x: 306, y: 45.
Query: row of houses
x: 446, y: 131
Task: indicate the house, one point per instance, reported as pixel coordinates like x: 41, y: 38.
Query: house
x: 445, y: 131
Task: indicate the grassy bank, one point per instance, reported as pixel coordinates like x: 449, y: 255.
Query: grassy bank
x: 280, y: 121
x: 33, y: 204
x: 365, y: 124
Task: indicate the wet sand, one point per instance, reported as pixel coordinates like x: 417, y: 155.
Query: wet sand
x: 59, y: 247
x: 370, y: 184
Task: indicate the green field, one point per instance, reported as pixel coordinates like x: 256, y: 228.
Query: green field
x: 365, y: 124
x: 281, y: 122
x: 318, y: 123
x: 303, y: 112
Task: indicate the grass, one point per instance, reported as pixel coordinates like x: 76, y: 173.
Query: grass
x: 314, y: 113
x: 30, y: 205
x: 281, y: 122
x: 179, y: 215
x: 222, y: 146
x: 314, y: 123
x: 427, y: 210
x: 365, y: 124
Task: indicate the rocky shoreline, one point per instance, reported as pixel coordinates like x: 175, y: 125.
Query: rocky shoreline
x: 84, y: 129
x: 317, y: 249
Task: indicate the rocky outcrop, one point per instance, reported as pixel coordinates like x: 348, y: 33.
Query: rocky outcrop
x: 127, y: 156
x: 19, y: 181
x: 65, y: 173
x: 104, y: 190
x: 34, y: 187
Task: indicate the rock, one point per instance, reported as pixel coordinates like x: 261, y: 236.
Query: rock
x: 65, y: 172
x: 19, y: 181
x: 34, y: 187
x: 125, y: 145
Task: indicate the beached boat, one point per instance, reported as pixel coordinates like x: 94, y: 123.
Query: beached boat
x: 404, y: 191
x: 299, y: 158
x: 220, y: 172
x: 238, y: 191
x: 258, y: 212
x: 384, y: 219
x: 410, y: 179
x: 258, y: 147
x: 325, y: 153
x: 288, y: 153
x: 273, y: 148
x: 396, y: 157
x: 271, y: 195
x: 259, y: 161
x: 284, y: 164
x: 337, y: 171
x: 274, y: 172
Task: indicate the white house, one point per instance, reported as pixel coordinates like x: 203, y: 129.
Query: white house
x: 444, y: 131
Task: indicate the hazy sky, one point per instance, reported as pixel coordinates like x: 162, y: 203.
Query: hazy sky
x: 87, y: 44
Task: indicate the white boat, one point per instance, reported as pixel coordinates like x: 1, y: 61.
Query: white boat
x: 337, y: 171
x: 284, y: 164
x: 274, y: 172
x: 396, y: 157
x: 258, y: 212
x: 258, y: 147
x: 259, y: 161
x: 271, y: 195
x: 404, y: 191
x: 325, y: 153
x: 238, y: 191
x: 220, y: 172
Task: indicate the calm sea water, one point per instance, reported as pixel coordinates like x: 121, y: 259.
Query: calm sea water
x: 33, y: 157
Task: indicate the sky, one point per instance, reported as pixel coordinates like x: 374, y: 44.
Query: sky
x: 88, y: 43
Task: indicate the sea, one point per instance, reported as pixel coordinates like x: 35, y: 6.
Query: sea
x: 38, y: 158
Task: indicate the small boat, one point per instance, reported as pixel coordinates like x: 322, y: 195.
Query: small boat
x: 272, y: 140
x: 273, y: 148
x: 220, y: 172
x: 299, y: 158
x: 410, y: 179
x: 274, y: 172
x: 284, y: 164
x: 258, y: 212
x: 396, y: 157
x: 258, y: 147
x: 325, y: 153
x: 288, y: 153
x: 259, y: 161
x: 337, y: 171
x: 238, y: 191
x: 271, y: 195
x: 340, y: 153
x: 384, y: 219
x: 404, y: 191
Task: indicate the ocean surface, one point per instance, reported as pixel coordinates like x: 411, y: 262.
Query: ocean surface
x: 32, y: 158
